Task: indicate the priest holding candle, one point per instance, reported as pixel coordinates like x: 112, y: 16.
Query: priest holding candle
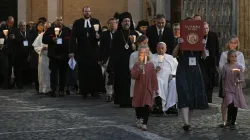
x: 57, y: 37
x: 166, y: 67
x: 84, y: 48
x: 121, y: 50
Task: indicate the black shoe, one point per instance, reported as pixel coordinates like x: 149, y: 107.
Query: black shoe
x: 61, y: 93
x: 224, y: 125
x: 95, y: 95
x: 109, y: 98
x: 68, y: 92
x: 52, y: 93
x: 232, y: 127
x: 186, y: 127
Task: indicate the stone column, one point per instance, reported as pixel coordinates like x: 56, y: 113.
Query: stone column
x: 164, y: 7
x: 22, y: 13
x: 135, y: 8
x: 53, y: 9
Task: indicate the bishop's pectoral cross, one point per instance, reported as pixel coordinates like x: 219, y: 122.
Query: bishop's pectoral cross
x: 87, y: 34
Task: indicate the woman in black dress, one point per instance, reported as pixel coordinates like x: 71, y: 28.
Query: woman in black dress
x: 189, y: 83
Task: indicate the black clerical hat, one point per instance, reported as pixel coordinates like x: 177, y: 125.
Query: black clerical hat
x: 142, y: 23
x: 116, y: 15
x: 124, y: 15
x: 42, y: 19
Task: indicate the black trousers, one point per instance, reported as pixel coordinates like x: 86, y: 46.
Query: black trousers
x: 58, y: 68
x: 6, y: 63
x: 142, y: 113
x: 232, y: 114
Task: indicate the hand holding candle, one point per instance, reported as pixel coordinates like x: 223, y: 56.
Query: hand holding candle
x: 236, y: 70
x: 132, y: 38
x: 160, y: 58
x: 57, y: 31
x: 96, y: 27
x: 6, y: 32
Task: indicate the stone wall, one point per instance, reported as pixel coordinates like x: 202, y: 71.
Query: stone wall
x: 244, y: 34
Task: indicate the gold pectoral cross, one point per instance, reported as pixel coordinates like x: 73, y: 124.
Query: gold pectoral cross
x: 87, y: 34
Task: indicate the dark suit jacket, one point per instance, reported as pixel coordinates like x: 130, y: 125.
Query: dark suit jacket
x: 20, y: 48
x: 213, y: 46
x: 105, y: 45
x: 9, y: 43
x: 208, y: 66
x: 167, y: 37
x: 82, y: 45
x: 57, y: 51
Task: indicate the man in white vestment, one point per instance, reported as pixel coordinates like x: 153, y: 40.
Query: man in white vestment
x: 43, y: 62
x: 166, y: 67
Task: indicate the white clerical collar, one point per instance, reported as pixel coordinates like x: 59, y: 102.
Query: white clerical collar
x: 87, y: 21
x: 158, y: 30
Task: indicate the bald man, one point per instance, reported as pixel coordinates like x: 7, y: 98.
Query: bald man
x: 166, y: 67
x: 58, y: 51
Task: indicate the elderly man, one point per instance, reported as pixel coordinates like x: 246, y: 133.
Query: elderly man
x: 8, y: 50
x: 58, y: 51
x: 21, y: 53
x: 166, y: 67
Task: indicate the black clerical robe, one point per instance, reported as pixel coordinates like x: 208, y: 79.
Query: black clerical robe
x: 120, y: 64
x: 84, y: 44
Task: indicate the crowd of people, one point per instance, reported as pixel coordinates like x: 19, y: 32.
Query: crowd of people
x: 140, y: 67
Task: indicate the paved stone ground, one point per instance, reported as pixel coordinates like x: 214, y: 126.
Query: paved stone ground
x: 27, y: 116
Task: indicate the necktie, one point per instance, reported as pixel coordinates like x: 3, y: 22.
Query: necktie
x: 160, y: 35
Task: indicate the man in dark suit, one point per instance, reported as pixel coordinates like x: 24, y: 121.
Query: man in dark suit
x: 8, y: 51
x: 210, y: 64
x: 23, y: 46
x: 58, y: 50
x: 84, y: 48
x: 105, y: 51
x: 160, y: 33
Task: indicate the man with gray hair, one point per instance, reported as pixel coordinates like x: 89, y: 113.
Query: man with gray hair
x: 21, y: 53
x: 166, y: 67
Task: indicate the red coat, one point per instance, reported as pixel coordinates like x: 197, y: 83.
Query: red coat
x: 145, y: 84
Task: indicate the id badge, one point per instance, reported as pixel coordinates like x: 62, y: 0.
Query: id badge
x: 207, y: 52
x: 59, y: 41
x: 25, y: 43
x: 192, y: 61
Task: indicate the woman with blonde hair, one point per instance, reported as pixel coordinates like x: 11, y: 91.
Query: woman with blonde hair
x: 232, y: 44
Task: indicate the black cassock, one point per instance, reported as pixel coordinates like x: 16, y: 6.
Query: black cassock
x: 120, y: 64
x: 84, y: 45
